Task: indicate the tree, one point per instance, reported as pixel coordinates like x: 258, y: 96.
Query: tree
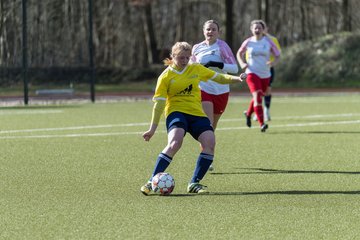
x: 151, y: 46
x: 346, y: 15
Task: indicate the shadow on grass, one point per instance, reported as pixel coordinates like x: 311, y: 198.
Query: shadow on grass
x: 316, y: 132
x: 173, y: 195
x: 293, y: 192
x: 279, y: 171
x: 272, y: 171
x: 286, y: 192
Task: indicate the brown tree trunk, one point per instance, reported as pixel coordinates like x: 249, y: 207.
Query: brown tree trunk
x: 229, y: 4
x: 149, y: 35
x: 346, y: 16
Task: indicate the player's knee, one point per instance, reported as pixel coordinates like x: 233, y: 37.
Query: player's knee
x: 175, y: 145
x: 209, y: 145
x: 258, y: 99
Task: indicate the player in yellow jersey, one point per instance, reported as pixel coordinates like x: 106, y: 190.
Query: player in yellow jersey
x: 178, y: 93
x: 267, y: 97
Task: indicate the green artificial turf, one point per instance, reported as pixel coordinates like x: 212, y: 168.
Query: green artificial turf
x: 74, y: 172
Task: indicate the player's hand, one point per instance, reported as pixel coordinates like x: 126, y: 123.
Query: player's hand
x: 243, y: 76
x: 147, y: 135
x: 214, y: 64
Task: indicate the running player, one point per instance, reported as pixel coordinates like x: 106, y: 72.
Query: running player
x: 216, y: 54
x: 259, y: 48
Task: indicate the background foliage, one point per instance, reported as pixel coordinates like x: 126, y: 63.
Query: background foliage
x: 135, y: 35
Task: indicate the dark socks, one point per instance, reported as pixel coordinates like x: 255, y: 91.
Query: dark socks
x: 162, y: 163
x: 267, y: 101
x: 202, y: 165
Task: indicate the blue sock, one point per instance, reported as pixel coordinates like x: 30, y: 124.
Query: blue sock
x: 267, y: 101
x: 202, y: 165
x: 162, y: 163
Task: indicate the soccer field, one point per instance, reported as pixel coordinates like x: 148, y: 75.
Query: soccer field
x: 74, y: 172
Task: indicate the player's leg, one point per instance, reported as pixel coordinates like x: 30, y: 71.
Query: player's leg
x: 264, y: 86
x: 267, y: 98
x: 256, y: 84
x: 258, y: 109
x: 203, y: 132
x: 176, y: 126
x: 220, y: 102
x: 175, y: 139
x: 267, y: 102
x: 251, y: 82
x: 219, y: 105
x: 206, y: 157
x: 208, y: 107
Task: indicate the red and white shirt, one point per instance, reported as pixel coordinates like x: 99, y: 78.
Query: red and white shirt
x: 219, y: 52
x: 258, y: 54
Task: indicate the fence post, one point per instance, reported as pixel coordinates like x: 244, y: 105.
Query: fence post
x: 24, y: 52
x: 91, y: 53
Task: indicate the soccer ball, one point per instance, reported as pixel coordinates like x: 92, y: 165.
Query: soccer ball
x: 163, y: 183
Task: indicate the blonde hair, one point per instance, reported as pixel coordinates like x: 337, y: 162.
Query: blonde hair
x: 176, y: 49
x: 258, y: 21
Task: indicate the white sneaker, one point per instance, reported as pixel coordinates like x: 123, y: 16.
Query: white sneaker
x: 267, y: 114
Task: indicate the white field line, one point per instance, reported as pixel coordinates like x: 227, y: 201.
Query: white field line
x: 304, y: 117
x: 139, y: 133
x: 146, y: 124
x: 25, y: 112
x: 75, y: 128
x: 297, y: 125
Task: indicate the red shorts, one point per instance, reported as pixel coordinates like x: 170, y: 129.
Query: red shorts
x: 255, y: 83
x: 219, y: 101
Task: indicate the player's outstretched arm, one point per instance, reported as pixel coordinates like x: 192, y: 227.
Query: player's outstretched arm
x: 226, y: 78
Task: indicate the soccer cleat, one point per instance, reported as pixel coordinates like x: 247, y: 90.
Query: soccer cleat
x: 146, y: 189
x: 211, y: 168
x: 197, y: 188
x: 264, y: 127
x: 248, y: 119
x: 267, y: 114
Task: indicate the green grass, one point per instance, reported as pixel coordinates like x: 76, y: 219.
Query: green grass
x: 74, y: 172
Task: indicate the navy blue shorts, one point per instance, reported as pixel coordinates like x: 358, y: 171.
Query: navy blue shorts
x: 194, y: 125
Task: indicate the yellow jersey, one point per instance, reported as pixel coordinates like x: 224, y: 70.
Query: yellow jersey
x: 276, y: 42
x: 181, y: 89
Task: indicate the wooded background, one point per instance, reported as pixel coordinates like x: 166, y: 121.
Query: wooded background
x: 139, y: 33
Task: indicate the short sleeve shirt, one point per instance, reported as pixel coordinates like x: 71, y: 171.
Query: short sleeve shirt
x: 181, y: 89
x: 259, y: 52
x: 217, y: 52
